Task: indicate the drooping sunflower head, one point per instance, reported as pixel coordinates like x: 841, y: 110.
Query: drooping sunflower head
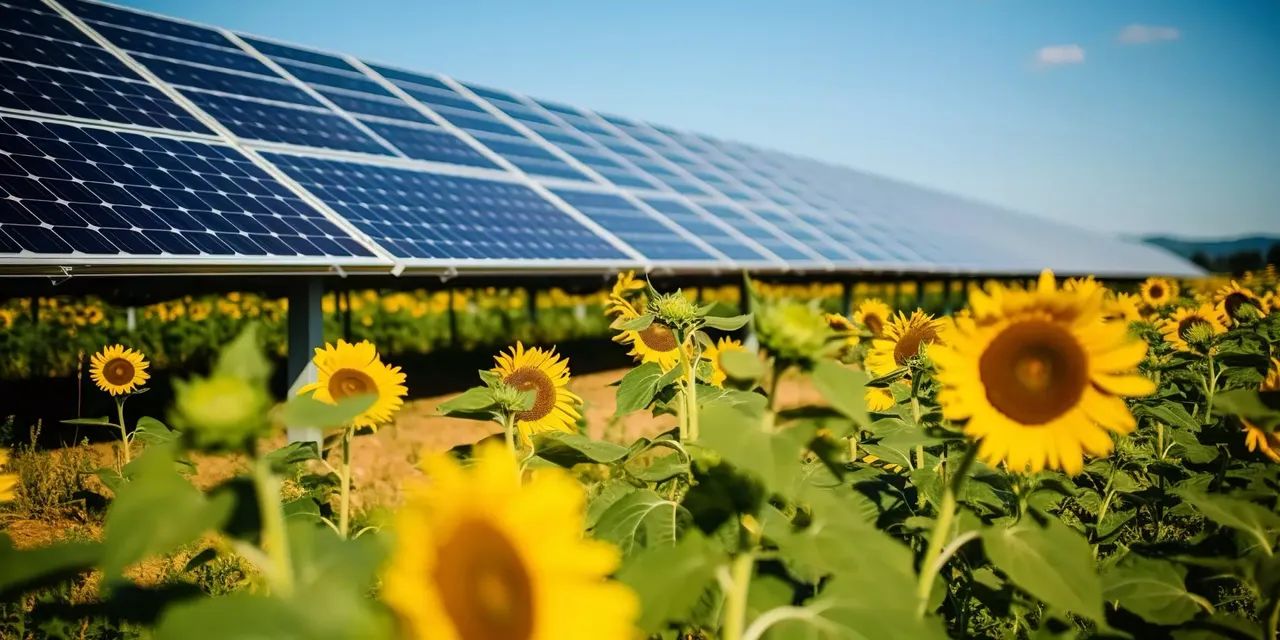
x: 118, y: 370
x: 1039, y: 378
x: 655, y: 343
x: 712, y: 354
x: 546, y: 374
x: 873, y: 314
x: 1189, y: 326
x: 350, y: 370
x: 1237, y: 303
x: 1158, y: 292
x: 904, y: 338
x: 1256, y: 439
x: 841, y: 324
x: 478, y: 556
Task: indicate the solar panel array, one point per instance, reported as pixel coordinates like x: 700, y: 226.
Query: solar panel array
x: 133, y: 139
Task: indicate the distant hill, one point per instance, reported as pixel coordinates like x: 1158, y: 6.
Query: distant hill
x: 1215, y: 249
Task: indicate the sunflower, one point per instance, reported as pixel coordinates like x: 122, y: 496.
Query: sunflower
x: 712, y: 355
x: 1124, y: 306
x: 1256, y: 439
x: 1158, y: 292
x: 1233, y: 297
x: 879, y: 399
x: 1177, y: 329
x: 902, y: 338
x: 7, y: 480
x: 478, y: 556
x: 545, y: 373
x: 118, y: 370
x: 873, y: 314
x: 654, y: 343
x: 354, y: 370
x: 1086, y: 285
x: 1039, y: 376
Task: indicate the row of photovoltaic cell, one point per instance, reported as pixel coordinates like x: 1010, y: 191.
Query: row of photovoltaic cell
x: 633, y: 226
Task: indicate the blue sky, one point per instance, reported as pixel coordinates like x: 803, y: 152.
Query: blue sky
x: 1046, y: 106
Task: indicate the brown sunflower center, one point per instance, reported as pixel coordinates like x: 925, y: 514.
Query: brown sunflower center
x: 119, y: 371
x: 1234, y: 301
x: 345, y: 383
x: 1034, y: 372
x: 874, y: 324
x: 537, y: 381
x: 1156, y: 291
x: 484, y: 585
x: 1188, y: 324
x: 909, y: 344
x: 658, y: 337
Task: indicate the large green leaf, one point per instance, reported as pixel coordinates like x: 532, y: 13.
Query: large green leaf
x: 740, y: 441
x: 662, y: 469
x: 844, y: 388
x: 741, y: 364
x: 1244, y: 516
x: 1152, y: 589
x: 153, y: 432
x: 638, y: 387
x: 642, y: 520
x: 605, y: 496
x: 1260, y: 408
x: 1052, y: 562
x: 1170, y: 413
x: 289, y: 456
x: 732, y: 323
x: 669, y: 580
x: 1188, y: 447
x: 568, y: 449
x: 305, y: 411
x: 43, y: 566
x: 472, y: 404
x: 1219, y: 626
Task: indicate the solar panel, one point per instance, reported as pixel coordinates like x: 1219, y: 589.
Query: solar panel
x: 277, y: 123
x: 721, y: 236
x: 635, y: 227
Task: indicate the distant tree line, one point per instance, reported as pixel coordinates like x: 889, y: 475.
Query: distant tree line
x: 1239, y: 262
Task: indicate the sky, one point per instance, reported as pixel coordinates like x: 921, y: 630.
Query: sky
x: 1124, y: 116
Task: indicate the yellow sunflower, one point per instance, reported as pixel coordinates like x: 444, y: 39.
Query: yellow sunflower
x: 8, y: 481
x: 902, y: 338
x: 879, y: 399
x: 1039, y: 377
x: 354, y: 370
x: 1158, y: 292
x: 1177, y: 328
x: 1231, y: 298
x: 873, y: 314
x: 655, y: 343
x: 545, y: 373
x: 478, y: 556
x: 118, y: 370
x: 1125, y: 307
x: 1256, y: 439
x: 1086, y: 285
x: 712, y: 355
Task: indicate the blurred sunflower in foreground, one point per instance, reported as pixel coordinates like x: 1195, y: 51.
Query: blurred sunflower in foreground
x: 1257, y: 439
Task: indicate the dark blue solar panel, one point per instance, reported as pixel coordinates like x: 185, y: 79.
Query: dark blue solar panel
x: 274, y: 50
x: 525, y: 115
x: 635, y: 227
x: 251, y: 86
x: 436, y: 145
x: 561, y: 109
x: 50, y: 91
x: 560, y: 137
x: 398, y: 76
x: 777, y: 242
x: 809, y: 237
x: 414, y: 214
x: 32, y: 5
x: 709, y: 232
x: 335, y: 79
x: 113, y: 193
x: 41, y: 24
x: 187, y: 52
x: 485, y: 123
x: 439, y: 99
x: 492, y: 94
x: 132, y: 19
x: 69, y: 55
x: 534, y: 159
x: 260, y: 121
x: 371, y: 107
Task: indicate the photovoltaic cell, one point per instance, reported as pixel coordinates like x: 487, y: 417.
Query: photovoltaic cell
x: 66, y: 189
x: 137, y: 42
x: 415, y: 214
x: 235, y: 84
x: 709, y: 232
x: 435, y: 145
x: 776, y: 242
x: 272, y: 123
x: 274, y: 50
x: 380, y: 108
x: 135, y: 20
x: 534, y: 159
x: 334, y: 79
x: 635, y: 227
x: 51, y: 40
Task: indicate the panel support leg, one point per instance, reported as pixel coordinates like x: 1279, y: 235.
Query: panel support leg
x: 306, y: 332
x: 920, y: 294
x: 454, y: 342
x: 846, y: 299
x: 531, y: 300
x: 948, y: 299
x: 749, y: 339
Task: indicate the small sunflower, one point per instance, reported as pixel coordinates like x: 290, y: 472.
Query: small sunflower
x: 353, y: 370
x: 712, y: 355
x: 1158, y: 292
x: 1256, y: 439
x: 8, y: 481
x: 118, y: 370
x: 1040, y: 377
x: 873, y: 314
x: 1177, y: 329
x: 1233, y: 297
x: 545, y: 373
x: 1124, y: 306
x: 655, y: 343
x: 478, y: 556
x: 903, y: 338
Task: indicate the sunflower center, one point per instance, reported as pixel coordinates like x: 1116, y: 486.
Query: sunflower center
x: 658, y: 337
x: 909, y: 344
x: 119, y: 371
x: 345, y: 383
x: 544, y: 391
x: 874, y: 324
x: 1156, y: 292
x: 1189, y: 324
x: 484, y: 584
x: 1034, y: 372
x: 1234, y: 301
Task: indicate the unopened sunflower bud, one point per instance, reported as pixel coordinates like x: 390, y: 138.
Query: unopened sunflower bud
x: 793, y: 331
x: 1199, y: 335
x: 221, y: 412
x: 510, y: 399
x: 1248, y: 313
x: 674, y: 309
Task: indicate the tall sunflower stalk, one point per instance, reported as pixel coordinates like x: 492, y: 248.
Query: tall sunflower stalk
x: 120, y: 372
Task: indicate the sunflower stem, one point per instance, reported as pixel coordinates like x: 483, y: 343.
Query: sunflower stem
x: 691, y: 387
x: 735, y: 609
x: 929, y: 566
x: 1273, y: 621
x: 274, y: 539
x: 124, y: 431
x: 344, y: 505
x: 1210, y: 385
x: 509, y: 430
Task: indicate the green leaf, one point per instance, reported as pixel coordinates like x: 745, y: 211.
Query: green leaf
x: 609, y: 493
x: 1188, y: 447
x: 243, y: 358
x: 751, y: 450
x: 890, y: 455
x: 670, y: 580
x: 1246, y: 517
x: 889, y: 378
x: 568, y: 449
x: 153, y: 432
x: 741, y: 364
x: 468, y: 404
x: 1173, y: 414
x: 1260, y: 408
x: 101, y: 422
x: 1155, y: 590
x: 726, y: 324
x: 156, y: 512
x: 642, y: 520
x: 662, y: 469
x: 1052, y: 562
x: 638, y: 323
x: 844, y: 388
x: 638, y: 387
x: 490, y: 378
x: 28, y: 569
x: 306, y: 411
x: 284, y: 459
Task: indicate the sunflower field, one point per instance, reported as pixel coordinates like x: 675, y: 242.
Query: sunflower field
x: 1055, y: 460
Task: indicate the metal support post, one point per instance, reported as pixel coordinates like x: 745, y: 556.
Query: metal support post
x: 920, y: 294
x: 846, y: 299
x: 306, y: 332
x: 453, y: 321
x: 749, y: 339
x: 895, y: 295
x: 948, y: 298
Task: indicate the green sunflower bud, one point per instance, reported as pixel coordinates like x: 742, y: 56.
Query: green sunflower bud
x: 1199, y: 336
x: 510, y: 399
x: 674, y: 310
x: 221, y: 412
x: 793, y: 331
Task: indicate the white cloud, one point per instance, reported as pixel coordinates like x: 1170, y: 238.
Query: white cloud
x: 1146, y: 34
x: 1060, y: 54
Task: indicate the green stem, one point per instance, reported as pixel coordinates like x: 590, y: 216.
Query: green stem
x: 344, y: 506
x: 509, y: 429
x: 1273, y: 621
x: 773, y: 386
x: 691, y: 387
x: 735, y: 610
x: 274, y: 538
x: 1210, y: 386
x: 915, y: 417
x: 942, y: 530
x: 1160, y: 509
x: 124, y: 431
